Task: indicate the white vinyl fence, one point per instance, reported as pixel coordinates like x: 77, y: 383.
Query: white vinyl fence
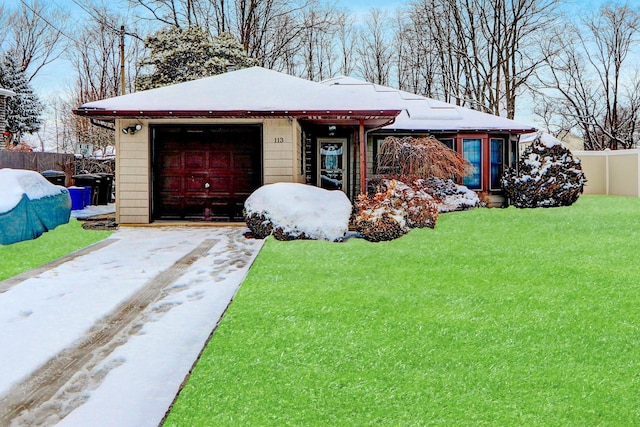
x: 614, y: 172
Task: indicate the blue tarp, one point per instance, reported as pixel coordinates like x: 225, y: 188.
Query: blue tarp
x: 30, y: 218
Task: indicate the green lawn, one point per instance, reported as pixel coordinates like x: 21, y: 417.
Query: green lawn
x: 64, y: 239
x: 499, y: 317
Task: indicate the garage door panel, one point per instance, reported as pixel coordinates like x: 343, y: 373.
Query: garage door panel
x: 220, y: 184
x: 196, y: 184
x: 195, y: 160
x: 172, y: 160
x: 243, y: 161
x: 218, y: 160
x: 172, y: 184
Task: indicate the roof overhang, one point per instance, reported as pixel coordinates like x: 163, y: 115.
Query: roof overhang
x: 372, y: 118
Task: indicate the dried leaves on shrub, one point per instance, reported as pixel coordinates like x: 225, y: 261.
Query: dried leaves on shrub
x: 393, y: 211
x: 420, y: 158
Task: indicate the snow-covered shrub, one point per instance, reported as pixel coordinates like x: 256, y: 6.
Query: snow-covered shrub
x: 393, y: 211
x: 449, y: 195
x: 260, y: 225
x: 548, y: 176
x: 291, y: 211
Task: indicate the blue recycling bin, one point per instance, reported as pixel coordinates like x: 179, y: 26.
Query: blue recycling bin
x: 77, y: 198
x: 88, y: 192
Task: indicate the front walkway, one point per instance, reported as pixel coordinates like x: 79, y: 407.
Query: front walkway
x: 107, y: 337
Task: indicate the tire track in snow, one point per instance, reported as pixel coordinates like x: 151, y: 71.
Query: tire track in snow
x: 31, y: 396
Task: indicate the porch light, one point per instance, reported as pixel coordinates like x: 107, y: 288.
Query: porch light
x: 131, y: 130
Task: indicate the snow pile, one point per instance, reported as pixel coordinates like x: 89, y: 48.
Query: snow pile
x: 393, y: 211
x: 547, y: 176
x: 14, y: 183
x: 297, y: 211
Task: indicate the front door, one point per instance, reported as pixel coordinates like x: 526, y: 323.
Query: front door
x: 332, y: 164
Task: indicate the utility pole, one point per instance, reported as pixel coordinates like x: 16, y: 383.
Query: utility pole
x: 122, y: 59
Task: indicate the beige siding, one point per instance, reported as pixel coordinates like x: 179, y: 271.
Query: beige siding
x: 281, y: 160
x: 132, y: 174
x: 281, y: 143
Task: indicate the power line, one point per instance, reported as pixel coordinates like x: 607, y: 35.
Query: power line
x: 46, y: 21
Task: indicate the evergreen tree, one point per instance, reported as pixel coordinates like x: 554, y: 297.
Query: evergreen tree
x: 179, y: 55
x: 24, y: 109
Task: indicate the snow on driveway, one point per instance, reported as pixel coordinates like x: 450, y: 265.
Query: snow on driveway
x: 107, y: 337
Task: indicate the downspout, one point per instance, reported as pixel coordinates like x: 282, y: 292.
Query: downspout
x: 363, y: 153
x: 363, y: 158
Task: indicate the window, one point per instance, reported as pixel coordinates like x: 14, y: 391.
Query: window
x: 449, y: 142
x: 472, y: 152
x: 497, y: 163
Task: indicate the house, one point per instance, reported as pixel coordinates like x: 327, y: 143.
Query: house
x: 196, y: 150
x: 4, y: 136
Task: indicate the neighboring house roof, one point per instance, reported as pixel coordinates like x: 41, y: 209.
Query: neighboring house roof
x: 7, y: 92
x: 249, y: 92
x: 546, y: 138
x: 422, y: 113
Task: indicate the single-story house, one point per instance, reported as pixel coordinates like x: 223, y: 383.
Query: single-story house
x: 196, y: 150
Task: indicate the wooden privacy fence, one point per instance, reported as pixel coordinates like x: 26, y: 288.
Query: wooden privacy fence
x: 611, y: 172
x: 38, y: 161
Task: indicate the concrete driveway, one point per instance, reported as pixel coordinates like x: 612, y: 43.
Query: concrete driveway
x: 106, y: 336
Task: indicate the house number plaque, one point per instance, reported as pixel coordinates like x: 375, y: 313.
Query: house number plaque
x: 279, y: 140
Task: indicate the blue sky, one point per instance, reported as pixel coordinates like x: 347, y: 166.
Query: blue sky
x: 60, y: 74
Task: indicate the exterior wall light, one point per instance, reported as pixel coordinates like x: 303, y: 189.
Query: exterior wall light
x: 131, y: 130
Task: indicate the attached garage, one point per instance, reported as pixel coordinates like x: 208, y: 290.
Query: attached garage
x: 204, y: 172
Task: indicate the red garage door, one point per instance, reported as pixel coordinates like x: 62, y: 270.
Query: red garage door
x: 204, y: 172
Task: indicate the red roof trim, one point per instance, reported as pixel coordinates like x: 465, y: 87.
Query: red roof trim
x: 340, y: 114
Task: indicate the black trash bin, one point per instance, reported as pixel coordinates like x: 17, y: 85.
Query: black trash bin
x: 89, y: 180
x: 55, y: 177
x: 106, y: 188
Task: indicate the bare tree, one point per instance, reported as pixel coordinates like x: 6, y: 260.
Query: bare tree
x: 485, y: 51
x: 319, y: 42
x: 346, y: 42
x: 416, y: 62
x: 591, y: 82
x: 374, y: 49
x: 36, y: 35
x: 95, y: 55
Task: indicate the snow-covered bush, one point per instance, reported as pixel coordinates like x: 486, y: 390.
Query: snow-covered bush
x: 393, y: 211
x: 291, y: 211
x: 449, y: 195
x: 548, y: 176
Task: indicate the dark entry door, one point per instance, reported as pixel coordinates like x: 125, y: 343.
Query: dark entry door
x: 205, y: 172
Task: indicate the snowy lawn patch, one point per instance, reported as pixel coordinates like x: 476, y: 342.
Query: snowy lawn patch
x: 64, y: 239
x: 497, y: 317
